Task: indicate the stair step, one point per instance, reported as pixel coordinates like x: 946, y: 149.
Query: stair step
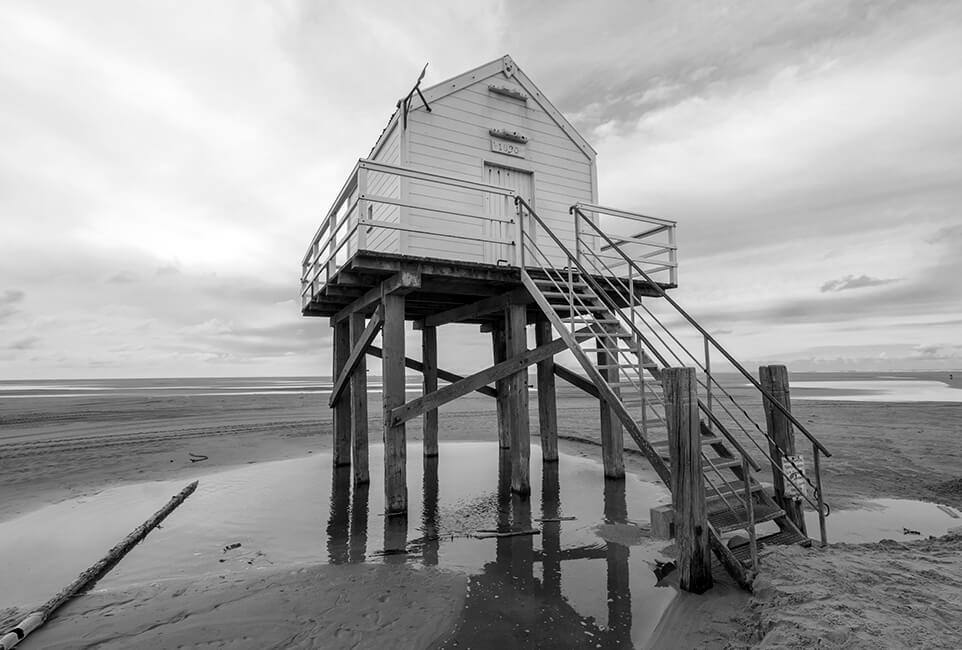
x: 551, y: 283
x: 713, y: 499
x: 705, y: 440
x: 720, y: 463
x: 559, y: 294
x: 743, y: 552
x: 568, y: 308
x: 728, y: 520
x: 603, y: 334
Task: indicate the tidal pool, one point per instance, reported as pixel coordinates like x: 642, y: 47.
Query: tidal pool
x: 585, y: 580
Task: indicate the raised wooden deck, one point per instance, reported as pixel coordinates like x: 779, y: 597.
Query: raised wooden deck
x: 432, y: 287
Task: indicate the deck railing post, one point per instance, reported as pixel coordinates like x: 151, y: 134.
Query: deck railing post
x: 781, y: 440
x: 687, y: 480
x: 519, y: 234
x: 362, y: 207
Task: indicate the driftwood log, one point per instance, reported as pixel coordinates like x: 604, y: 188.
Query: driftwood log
x: 89, y: 577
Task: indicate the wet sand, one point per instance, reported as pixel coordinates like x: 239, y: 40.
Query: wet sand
x: 51, y: 450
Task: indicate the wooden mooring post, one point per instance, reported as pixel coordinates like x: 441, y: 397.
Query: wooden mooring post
x: 687, y: 480
x: 774, y: 379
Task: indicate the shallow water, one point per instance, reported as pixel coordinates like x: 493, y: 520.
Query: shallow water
x: 876, y: 390
x: 565, y: 587
x: 879, y: 519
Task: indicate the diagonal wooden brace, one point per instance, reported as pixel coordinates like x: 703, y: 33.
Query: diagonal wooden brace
x: 357, y: 353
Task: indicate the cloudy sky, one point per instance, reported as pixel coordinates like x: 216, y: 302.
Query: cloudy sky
x: 164, y: 165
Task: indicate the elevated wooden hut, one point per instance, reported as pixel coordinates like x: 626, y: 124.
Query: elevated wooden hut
x: 479, y: 204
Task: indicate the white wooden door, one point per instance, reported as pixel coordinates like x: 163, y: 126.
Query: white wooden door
x: 496, y: 206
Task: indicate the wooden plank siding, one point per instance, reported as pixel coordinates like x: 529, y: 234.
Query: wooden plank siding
x: 384, y: 240
x: 453, y: 139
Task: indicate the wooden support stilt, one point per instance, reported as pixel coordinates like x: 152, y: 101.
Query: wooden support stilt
x: 547, y: 401
x: 687, y: 480
x: 502, y: 548
x: 359, y: 428
x: 612, y: 433
x: 501, y: 386
x: 342, y: 408
x: 517, y: 397
x: 774, y: 379
x: 392, y: 380
x: 429, y: 358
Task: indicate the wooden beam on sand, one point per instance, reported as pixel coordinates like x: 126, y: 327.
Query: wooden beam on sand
x: 442, y: 396
x: 417, y: 366
x: 345, y: 371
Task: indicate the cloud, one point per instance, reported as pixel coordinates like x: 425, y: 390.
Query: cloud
x: 27, y: 343
x: 8, y: 299
x: 853, y: 282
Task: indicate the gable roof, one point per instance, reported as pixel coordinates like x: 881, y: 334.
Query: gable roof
x: 506, y: 66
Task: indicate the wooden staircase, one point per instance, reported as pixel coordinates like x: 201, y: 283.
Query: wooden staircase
x: 603, y: 321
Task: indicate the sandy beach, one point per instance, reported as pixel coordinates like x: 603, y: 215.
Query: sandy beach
x: 880, y: 594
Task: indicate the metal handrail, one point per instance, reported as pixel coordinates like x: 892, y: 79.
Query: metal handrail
x: 664, y: 294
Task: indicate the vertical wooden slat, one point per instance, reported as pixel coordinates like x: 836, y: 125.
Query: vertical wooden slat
x: 429, y: 359
x: 501, y: 386
x: 687, y: 480
x: 547, y: 400
x: 358, y: 397
x: 342, y: 408
x: 392, y: 379
x: 517, y: 397
x: 774, y: 379
x: 612, y: 433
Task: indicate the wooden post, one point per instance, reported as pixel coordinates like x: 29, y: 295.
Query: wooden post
x: 612, y: 433
x: 517, y: 398
x: 358, y: 388
x: 342, y: 408
x: 501, y: 386
x: 392, y: 379
x: 774, y: 379
x: 687, y: 480
x: 429, y: 357
x: 547, y: 401
x: 502, y: 545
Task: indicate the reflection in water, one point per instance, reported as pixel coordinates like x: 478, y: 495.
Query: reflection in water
x: 338, y: 521
x: 518, y: 598
x: 616, y: 556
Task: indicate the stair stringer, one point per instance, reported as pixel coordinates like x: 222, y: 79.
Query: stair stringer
x: 724, y: 554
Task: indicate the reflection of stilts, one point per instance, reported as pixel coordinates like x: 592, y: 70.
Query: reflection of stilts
x: 616, y: 556
x: 337, y: 522
x: 502, y: 550
x: 395, y: 538
x: 429, y: 517
x: 551, y: 530
x: 359, y: 511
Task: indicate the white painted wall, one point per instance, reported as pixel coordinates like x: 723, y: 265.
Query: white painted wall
x: 453, y: 139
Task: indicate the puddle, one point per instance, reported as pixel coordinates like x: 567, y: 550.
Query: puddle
x: 564, y: 587
x: 886, y: 519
